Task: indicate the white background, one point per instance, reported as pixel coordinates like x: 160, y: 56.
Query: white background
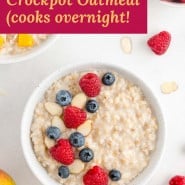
x: 19, y: 80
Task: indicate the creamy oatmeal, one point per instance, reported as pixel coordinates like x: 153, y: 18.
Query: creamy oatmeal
x: 19, y: 43
x: 120, y: 129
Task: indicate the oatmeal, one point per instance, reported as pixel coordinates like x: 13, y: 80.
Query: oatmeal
x: 93, y: 128
x: 13, y: 44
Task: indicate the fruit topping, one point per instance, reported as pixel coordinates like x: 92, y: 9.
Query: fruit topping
x: 86, y: 155
x: 115, y: 175
x: 74, y: 116
x: 77, y: 139
x: 53, y: 132
x: 63, y: 97
x: 96, y: 176
x: 90, y: 84
x: 25, y: 40
x: 63, y: 172
x: 63, y: 152
x: 92, y: 106
x: 108, y: 79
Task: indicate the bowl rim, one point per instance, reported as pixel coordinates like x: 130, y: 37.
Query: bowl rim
x: 12, y: 59
x: 28, y: 152
x: 173, y: 4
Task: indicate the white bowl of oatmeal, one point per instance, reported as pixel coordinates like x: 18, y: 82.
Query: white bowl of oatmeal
x: 127, y: 132
x: 19, y: 47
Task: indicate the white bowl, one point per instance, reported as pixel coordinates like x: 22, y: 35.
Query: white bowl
x: 9, y: 59
x: 37, y: 95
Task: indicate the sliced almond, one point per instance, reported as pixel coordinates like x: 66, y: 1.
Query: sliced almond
x: 79, y: 100
x: 169, y: 87
x: 80, y: 148
x: 85, y: 128
x: 53, y: 108
x: 76, y: 167
x: 2, y: 92
x: 58, y: 122
x: 126, y: 45
x: 49, y: 142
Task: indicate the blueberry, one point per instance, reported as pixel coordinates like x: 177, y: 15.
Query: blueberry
x: 63, y: 172
x: 86, y: 155
x: 108, y: 79
x: 63, y: 98
x: 77, y: 139
x: 53, y: 132
x: 92, y: 106
x: 115, y: 175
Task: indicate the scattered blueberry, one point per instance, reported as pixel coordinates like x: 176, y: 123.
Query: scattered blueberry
x: 63, y: 172
x: 108, y: 79
x: 76, y: 139
x: 63, y: 98
x: 53, y: 132
x: 92, y: 106
x: 115, y: 175
x: 86, y: 155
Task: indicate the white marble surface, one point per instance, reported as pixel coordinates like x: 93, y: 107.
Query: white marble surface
x: 19, y: 80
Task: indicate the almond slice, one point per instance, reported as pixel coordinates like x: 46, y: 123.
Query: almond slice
x: 49, y: 142
x: 126, y: 45
x: 85, y: 128
x: 53, y: 108
x: 58, y: 122
x: 169, y: 87
x: 79, y: 100
x: 76, y: 167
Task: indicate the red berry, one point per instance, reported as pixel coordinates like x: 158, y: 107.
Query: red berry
x: 63, y: 152
x: 90, y: 84
x: 73, y: 116
x: 177, y: 180
x: 96, y: 176
x: 160, y: 42
x: 182, y: 1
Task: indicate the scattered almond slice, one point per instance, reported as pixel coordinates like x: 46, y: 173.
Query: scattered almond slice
x: 49, y: 142
x: 126, y: 45
x: 53, y: 108
x: 169, y: 87
x: 58, y: 122
x: 85, y: 128
x: 76, y: 167
x: 79, y: 100
x: 2, y: 92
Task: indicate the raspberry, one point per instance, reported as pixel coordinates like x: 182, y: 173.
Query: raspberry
x: 96, y: 176
x: 62, y: 152
x: 160, y: 42
x: 90, y: 84
x: 73, y: 116
x: 177, y: 180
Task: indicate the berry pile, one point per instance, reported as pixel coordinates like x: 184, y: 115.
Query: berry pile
x: 74, y: 116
